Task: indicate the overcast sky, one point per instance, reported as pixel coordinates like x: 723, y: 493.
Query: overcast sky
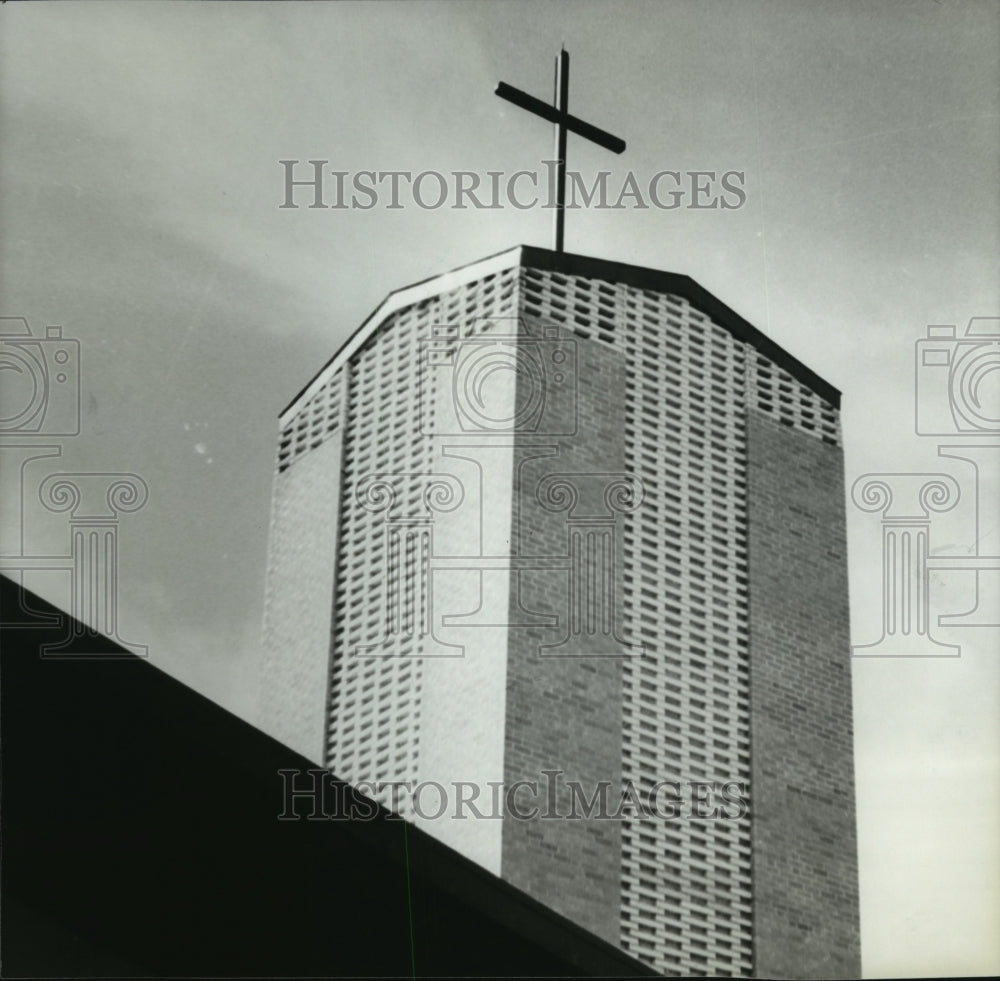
x: 140, y: 194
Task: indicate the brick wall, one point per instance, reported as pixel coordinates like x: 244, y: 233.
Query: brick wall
x: 564, y: 712
x: 299, y: 601
x: 497, y: 708
x: 462, y: 698
x: 805, y: 887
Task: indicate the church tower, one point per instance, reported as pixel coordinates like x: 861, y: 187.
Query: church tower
x: 574, y: 527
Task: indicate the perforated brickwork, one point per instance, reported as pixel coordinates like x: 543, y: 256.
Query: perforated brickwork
x: 685, y: 885
x: 377, y: 676
x: 699, y: 705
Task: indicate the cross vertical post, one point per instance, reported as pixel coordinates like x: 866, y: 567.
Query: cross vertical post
x: 562, y: 107
x: 564, y: 123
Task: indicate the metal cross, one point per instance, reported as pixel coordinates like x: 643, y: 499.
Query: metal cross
x: 559, y: 114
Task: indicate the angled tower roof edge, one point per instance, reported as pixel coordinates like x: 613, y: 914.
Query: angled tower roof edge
x: 397, y: 299
x: 640, y: 277
x: 661, y: 281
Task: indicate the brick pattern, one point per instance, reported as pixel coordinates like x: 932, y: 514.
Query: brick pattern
x: 774, y: 392
x: 685, y: 885
x: 564, y: 701
x: 377, y: 678
x: 374, y: 700
x: 732, y: 573
x: 314, y: 423
x: 298, y: 603
x: 689, y: 701
x: 804, y: 838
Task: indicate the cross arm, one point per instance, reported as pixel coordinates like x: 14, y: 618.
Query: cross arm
x: 550, y: 113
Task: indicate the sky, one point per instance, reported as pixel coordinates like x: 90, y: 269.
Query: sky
x: 139, y: 209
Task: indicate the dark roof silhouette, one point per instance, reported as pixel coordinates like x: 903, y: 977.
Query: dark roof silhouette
x: 141, y: 839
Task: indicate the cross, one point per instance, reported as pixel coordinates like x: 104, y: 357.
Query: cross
x: 559, y: 114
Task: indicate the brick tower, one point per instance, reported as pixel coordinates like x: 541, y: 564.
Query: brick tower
x: 554, y: 522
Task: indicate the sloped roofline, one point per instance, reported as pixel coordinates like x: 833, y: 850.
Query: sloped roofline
x: 568, y: 264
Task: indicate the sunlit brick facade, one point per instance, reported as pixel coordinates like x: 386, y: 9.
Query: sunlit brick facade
x: 625, y: 561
